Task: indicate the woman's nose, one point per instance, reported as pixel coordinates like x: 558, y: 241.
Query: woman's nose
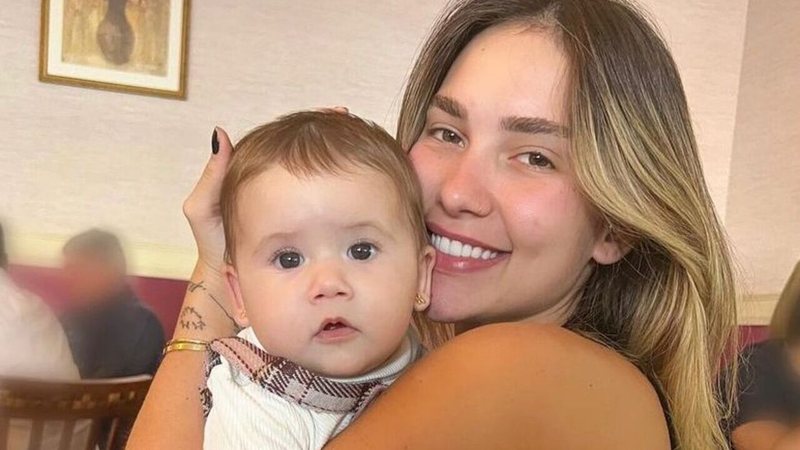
x: 463, y: 190
x: 329, y: 282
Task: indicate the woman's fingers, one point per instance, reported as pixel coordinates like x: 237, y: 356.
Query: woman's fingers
x: 203, y: 201
x: 221, y: 150
x: 202, y: 208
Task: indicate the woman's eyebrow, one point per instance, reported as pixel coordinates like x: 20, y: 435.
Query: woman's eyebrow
x: 534, y: 125
x: 449, y: 105
x: 531, y: 125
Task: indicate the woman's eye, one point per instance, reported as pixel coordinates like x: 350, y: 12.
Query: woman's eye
x: 535, y: 159
x: 361, y: 252
x: 288, y: 260
x: 446, y: 135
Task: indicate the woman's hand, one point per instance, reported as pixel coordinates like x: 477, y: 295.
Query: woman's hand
x: 202, y: 209
x: 206, y: 310
x: 171, y: 416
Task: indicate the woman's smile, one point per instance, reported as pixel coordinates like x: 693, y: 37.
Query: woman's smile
x: 460, y: 254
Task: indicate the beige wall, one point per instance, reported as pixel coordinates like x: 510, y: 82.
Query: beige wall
x: 763, y: 213
x: 74, y: 158
x: 706, y: 38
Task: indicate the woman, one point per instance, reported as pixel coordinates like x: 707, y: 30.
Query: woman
x: 555, y: 133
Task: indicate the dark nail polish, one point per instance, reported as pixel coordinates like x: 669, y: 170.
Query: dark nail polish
x: 214, y: 143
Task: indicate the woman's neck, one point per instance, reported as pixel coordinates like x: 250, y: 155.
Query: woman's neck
x: 557, y: 314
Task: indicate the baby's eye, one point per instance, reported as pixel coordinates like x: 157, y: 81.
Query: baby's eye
x: 446, y: 135
x: 288, y: 259
x: 362, y: 251
x: 535, y: 159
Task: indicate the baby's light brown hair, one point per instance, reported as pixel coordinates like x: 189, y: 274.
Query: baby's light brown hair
x: 315, y: 142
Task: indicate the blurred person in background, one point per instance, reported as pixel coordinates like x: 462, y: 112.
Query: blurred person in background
x: 33, y: 342
x: 32, y: 345
x: 111, y: 333
x: 768, y: 417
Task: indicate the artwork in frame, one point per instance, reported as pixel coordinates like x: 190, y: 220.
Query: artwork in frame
x: 135, y: 46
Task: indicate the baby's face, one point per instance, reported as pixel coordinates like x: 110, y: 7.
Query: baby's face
x: 327, y: 268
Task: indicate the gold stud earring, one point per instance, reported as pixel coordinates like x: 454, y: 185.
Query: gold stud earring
x: 420, y: 299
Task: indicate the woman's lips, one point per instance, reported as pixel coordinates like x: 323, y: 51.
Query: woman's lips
x: 459, y: 254
x: 454, y: 265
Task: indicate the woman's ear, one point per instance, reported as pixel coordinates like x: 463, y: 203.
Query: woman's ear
x: 426, y: 261
x: 610, y: 247
x: 235, y: 293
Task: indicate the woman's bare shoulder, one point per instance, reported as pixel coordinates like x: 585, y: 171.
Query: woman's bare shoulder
x: 548, y: 346
x: 516, y: 386
x: 586, y: 386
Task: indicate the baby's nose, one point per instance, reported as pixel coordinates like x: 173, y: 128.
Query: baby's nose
x: 330, y: 282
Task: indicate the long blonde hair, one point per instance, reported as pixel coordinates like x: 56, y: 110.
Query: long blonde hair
x: 669, y: 304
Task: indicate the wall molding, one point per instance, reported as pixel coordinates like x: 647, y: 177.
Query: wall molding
x: 144, y: 259
x: 757, y: 309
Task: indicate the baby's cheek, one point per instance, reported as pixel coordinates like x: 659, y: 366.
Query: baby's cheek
x: 279, y: 332
x: 394, y: 321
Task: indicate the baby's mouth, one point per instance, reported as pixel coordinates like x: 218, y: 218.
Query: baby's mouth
x: 335, y: 329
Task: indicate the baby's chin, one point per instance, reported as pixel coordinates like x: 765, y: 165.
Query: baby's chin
x: 348, y: 362
x: 342, y: 367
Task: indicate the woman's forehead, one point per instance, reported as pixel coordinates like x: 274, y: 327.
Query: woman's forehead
x: 510, y: 70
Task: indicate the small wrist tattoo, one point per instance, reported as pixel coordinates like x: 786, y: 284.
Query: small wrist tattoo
x: 191, y: 312
x: 191, y: 319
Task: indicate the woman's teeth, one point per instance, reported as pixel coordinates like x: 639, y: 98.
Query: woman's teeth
x: 456, y: 248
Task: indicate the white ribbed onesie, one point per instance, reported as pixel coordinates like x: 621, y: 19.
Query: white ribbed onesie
x: 282, y: 410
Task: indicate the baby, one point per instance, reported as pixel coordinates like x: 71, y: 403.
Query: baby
x: 328, y: 261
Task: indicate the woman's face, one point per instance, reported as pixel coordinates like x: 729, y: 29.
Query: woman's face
x: 514, y: 237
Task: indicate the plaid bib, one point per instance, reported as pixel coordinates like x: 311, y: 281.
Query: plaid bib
x: 288, y: 380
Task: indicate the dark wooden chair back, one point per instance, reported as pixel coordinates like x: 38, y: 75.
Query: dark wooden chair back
x: 109, y: 405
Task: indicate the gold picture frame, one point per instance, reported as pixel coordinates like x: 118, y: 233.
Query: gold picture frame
x: 132, y: 46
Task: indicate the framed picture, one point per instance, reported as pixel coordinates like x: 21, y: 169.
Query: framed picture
x: 135, y: 46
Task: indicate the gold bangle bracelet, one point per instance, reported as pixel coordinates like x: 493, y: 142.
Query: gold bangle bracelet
x: 193, y: 345
x: 188, y: 341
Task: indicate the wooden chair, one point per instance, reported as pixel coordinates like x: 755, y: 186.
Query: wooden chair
x: 109, y: 405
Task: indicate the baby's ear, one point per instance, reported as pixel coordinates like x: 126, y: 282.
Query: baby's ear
x: 427, y: 259
x: 235, y: 293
